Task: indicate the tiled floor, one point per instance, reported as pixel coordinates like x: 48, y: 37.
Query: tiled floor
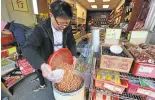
x: 23, y: 90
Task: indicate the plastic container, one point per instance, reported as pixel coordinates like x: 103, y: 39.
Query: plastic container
x: 102, y: 84
x: 116, y: 63
x: 143, y: 69
x: 63, y: 55
x: 76, y: 95
x: 146, y: 91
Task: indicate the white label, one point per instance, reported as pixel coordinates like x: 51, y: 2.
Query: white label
x: 108, y: 86
x: 99, y: 96
x: 117, y: 89
x: 143, y: 91
x: 113, y: 33
x: 144, y: 69
x: 138, y: 37
x: 152, y: 94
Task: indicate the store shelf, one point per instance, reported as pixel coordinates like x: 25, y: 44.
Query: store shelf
x: 15, y: 82
x: 123, y: 96
x: 7, y: 71
x: 9, y: 67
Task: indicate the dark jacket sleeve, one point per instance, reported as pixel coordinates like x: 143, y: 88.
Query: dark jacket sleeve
x: 31, y: 48
x: 71, y: 44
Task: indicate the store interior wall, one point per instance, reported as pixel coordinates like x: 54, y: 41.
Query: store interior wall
x: 81, y: 11
x: 4, y: 12
x: 26, y: 18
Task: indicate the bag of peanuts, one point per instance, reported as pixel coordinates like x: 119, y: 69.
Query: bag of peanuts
x: 141, y: 56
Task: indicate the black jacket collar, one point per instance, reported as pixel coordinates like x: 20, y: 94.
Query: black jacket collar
x: 47, y: 24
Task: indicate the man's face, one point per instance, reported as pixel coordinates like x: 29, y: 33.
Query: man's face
x: 59, y: 23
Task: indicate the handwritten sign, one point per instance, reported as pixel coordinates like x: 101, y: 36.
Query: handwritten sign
x: 112, y: 36
x: 20, y: 5
x: 116, y: 63
x: 138, y: 37
x: 113, y: 33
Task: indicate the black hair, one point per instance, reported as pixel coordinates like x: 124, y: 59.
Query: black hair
x: 61, y: 9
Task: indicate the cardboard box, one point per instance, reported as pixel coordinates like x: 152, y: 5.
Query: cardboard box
x: 116, y: 63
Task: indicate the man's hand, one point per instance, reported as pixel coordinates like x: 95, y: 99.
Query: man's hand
x: 46, y: 70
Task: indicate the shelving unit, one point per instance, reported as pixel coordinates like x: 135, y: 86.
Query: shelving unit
x: 99, y: 20
x: 116, y: 17
x: 125, y: 76
x: 15, y: 82
x: 132, y: 12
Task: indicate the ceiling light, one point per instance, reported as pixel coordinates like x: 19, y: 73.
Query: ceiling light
x: 105, y: 6
x: 35, y: 6
x: 94, y: 6
x: 91, y: 0
x: 106, y: 0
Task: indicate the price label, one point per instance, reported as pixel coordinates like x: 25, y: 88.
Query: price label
x: 99, y: 96
x: 113, y: 33
x: 144, y: 69
x: 117, y: 89
x: 143, y: 91
x: 138, y: 37
x: 152, y: 94
x: 108, y: 86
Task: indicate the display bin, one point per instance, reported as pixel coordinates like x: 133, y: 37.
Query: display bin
x: 143, y: 69
x: 141, y: 90
x: 116, y: 63
x: 116, y: 88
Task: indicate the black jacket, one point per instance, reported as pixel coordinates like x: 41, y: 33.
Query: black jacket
x: 39, y: 46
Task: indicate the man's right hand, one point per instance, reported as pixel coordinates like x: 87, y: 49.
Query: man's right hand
x: 46, y: 70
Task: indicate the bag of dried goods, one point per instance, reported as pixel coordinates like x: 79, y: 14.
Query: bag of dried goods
x: 151, y: 51
x: 129, y: 45
x: 144, y: 45
x: 141, y: 56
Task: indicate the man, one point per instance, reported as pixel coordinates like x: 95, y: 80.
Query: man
x: 49, y: 36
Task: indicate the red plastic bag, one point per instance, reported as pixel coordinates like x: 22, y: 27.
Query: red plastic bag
x: 25, y: 67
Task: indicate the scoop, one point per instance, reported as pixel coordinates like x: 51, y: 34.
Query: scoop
x: 56, y: 76
x: 116, y: 49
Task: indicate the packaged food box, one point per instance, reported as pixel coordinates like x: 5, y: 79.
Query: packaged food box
x: 110, y: 61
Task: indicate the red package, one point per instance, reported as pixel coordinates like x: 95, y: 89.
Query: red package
x: 25, y: 67
x: 7, y: 38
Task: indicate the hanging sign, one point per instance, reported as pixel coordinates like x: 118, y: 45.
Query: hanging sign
x: 19, y: 5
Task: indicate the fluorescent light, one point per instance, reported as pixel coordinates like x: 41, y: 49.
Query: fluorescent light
x: 106, y: 0
x: 91, y: 0
x: 105, y: 6
x: 94, y: 6
x: 35, y: 6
